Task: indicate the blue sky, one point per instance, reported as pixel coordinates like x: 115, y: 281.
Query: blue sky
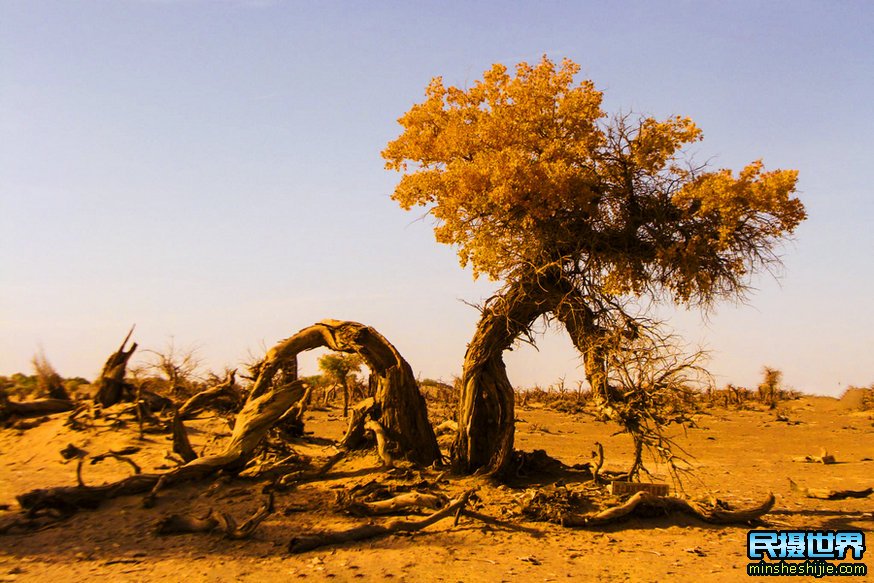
x: 210, y: 170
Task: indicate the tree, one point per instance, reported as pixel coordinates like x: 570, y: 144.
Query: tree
x: 338, y: 367
x: 576, y: 212
x: 397, y: 406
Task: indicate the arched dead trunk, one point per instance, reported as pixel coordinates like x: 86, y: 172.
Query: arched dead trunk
x: 402, y: 410
x: 486, y: 415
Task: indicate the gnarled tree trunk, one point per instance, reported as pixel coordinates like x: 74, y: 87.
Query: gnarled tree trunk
x: 486, y: 415
x: 402, y: 410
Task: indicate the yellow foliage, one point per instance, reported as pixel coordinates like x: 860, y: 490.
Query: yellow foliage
x: 522, y: 171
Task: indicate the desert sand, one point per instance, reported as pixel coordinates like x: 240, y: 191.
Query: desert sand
x: 740, y: 456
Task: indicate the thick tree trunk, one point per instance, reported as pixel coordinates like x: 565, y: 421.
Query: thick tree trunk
x: 486, y: 415
x: 110, y: 385
x: 402, y: 410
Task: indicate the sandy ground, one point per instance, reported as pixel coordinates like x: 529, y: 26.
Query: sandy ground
x: 740, y: 456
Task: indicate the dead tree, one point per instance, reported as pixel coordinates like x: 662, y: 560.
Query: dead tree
x: 111, y: 386
x: 404, y: 417
x: 399, y: 406
x: 38, y: 408
x: 259, y: 414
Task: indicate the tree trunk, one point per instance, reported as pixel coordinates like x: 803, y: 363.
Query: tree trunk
x: 591, y: 339
x: 402, y: 409
x: 486, y: 415
x: 110, y: 385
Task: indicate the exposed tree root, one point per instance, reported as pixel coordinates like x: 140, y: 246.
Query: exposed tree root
x: 309, y: 542
x: 119, y: 457
x: 826, y: 494
x: 648, y: 503
x: 215, y: 521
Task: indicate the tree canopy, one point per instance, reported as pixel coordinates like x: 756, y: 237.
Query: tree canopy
x: 523, y: 172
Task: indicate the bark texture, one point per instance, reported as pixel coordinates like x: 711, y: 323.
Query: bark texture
x: 401, y: 408
x: 486, y: 415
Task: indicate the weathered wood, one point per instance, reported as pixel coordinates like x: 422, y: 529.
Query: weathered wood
x: 37, y: 408
x: 668, y: 504
x: 355, y: 427
x: 401, y: 503
x: 181, y: 444
x: 828, y: 494
x: 310, y: 542
x: 253, y: 423
x: 215, y: 521
x: 204, y: 398
x: 402, y: 409
x: 381, y: 442
x: 110, y: 385
x: 486, y: 416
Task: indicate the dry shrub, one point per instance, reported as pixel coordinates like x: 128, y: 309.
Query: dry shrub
x: 557, y: 397
x: 770, y: 392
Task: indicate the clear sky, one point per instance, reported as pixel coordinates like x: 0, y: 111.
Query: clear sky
x: 211, y: 171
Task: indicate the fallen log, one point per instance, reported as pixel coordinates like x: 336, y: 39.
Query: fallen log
x: 401, y: 503
x: 309, y: 542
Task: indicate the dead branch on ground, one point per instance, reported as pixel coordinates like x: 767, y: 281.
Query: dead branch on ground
x: 827, y: 494
x: 648, y: 503
x: 215, y: 521
x: 203, y: 399
x: 309, y: 542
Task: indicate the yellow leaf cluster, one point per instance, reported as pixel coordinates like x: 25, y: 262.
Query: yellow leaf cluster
x: 525, y: 170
